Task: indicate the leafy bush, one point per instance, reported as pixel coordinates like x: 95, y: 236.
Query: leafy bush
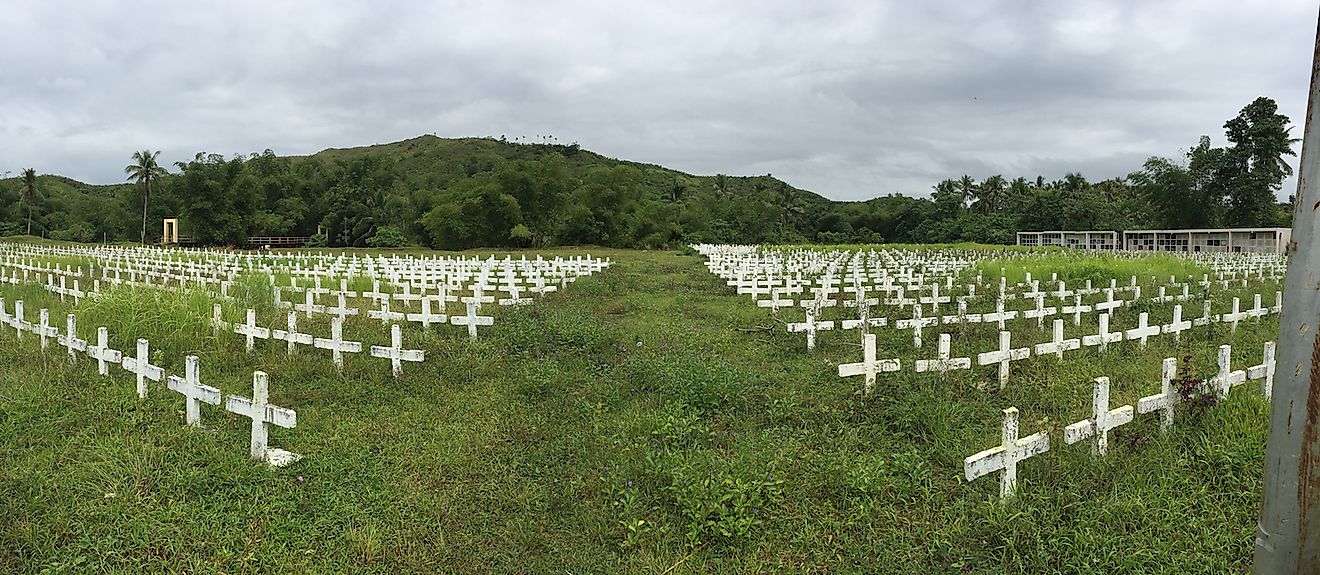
x: 388, y: 237
x: 317, y: 241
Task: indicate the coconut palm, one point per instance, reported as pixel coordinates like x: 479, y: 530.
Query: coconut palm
x: 31, y: 194
x: 145, y: 170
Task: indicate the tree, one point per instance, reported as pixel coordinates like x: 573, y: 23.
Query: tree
x: 991, y: 194
x: 30, y: 194
x: 144, y: 170
x: 1254, y: 167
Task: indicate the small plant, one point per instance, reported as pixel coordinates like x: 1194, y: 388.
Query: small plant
x: 1194, y: 393
x: 630, y: 508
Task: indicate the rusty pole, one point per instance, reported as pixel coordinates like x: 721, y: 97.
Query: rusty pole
x: 1288, y: 534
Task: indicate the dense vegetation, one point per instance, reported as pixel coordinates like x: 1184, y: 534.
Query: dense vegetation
x: 463, y: 193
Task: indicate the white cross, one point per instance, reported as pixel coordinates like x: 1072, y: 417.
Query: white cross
x: 915, y: 324
x: 1233, y: 317
x: 395, y: 352
x: 1256, y: 311
x: 384, y: 314
x: 250, y: 330
x: 336, y: 343
x: 142, y: 368
x: 935, y: 300
x: 963, y: 318
x: 944, y: 363
x: 1076, y: 309
x: 999, y: 315
x: 19, y: 324
x: 472, y: 320
x: 1110, y: 303
x: 1005, y: 457
x: 309, y: 305
x: 869, y: 365
x: 1166, y: 399
x: 194, y: 393
x: 262, y: 414
x: 775, y: 302
x: 102, y: 353
x: 1003, y: 356
x: 810, y: 326
x: 1226, y: 379
x: 1058, y: 345
x: 426, y: 318
x: 1265, y: 371
x: 1206, y: 318
x: 1142, y: 331
x: 1101, y: 421
x: 217, y: 321
x: 1178, y: 325
x: 291, y: 335
x: 1278, y: 302
x: 342, y: 310
x: 70, y: 339
x: 43, y: 329
x: 477, y: 296
x: 1105, y: 337
x: 1040, y: 313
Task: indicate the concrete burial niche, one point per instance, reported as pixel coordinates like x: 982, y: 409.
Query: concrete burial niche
x: 169, y: 233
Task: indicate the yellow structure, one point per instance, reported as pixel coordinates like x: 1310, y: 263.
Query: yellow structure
x: 170, y: 233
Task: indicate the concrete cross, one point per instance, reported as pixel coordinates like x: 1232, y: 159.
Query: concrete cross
x: 395, y: 352
x: 1224, y: 381
x: 810, y: 326
x: 1096, y: 428
x: 915, y: 324
x: 1166, y: 399
x: 1142, y: 331
x: 1206, y: 318
x: 999, y: 315
x: 19, y: 324
x: 218, y: 323
x: 1076, y: 309
x: 1058, y: 345
x: 1041, y: 312
x: 1278, y: 302
x: 478, y: 296
x: 943, y: 363
x: 426, y: 318
x: 471, y: 319
x: 1178, y: 325
x: 962, y: 318
x: 193, y: 391
x: 309, y: 305
x: 70, y: 339
x: 869, y: 366
x: 1233, y: 317
x: 1265, y: 371
x: 775, y: 302
x: 43, y: 329
x: 1104, y: 337
x: 291, y: 336
x: 102, y: 352
x: 336, y: 343
x: 342, y: 310
x: 1003, y: 356
x: 142, y: 368
x: 1063, y: 292
x: 1005, y: 457
x: 1256, y: 311
x: 250, y: 330
x: 934, y: 299
x: 262, y: 414
x: 1109, y: 304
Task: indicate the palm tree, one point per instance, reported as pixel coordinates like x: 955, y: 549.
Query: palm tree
x: 991, y: 193
x: 721, y: 184
x: 30, y: 194
x: 143, y: 171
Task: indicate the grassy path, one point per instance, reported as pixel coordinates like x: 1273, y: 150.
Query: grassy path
x: 625, y: 425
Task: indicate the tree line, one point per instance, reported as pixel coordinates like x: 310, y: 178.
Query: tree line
x: 486, y: 192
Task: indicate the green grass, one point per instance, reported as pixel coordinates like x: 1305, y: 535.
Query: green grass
x: 634, y: 423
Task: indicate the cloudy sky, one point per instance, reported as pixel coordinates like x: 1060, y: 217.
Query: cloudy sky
x: 848, y: 99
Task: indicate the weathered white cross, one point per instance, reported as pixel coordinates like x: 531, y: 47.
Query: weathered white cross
x: 1109, y: 304
x: 943, y: 363
x: 1178, y: 325
x: 19, y: 324
x: 1101, y: 421
x: 1058, y: 345
x: 395, y: 352
x: 1233, y: 317
x: 70, y: 340
x: 336, y: 343
x: 1040, y: 313
x: 250, y: 330
x: 1256, y: 312
x: 1003, y: 356
x: 1104, y: 337
x: 810, y: 326
x: 309, y: 306
x: 218, y: 322
x: 471, y: 319
x: 426, y: 317
x: 291, y: 335
x: 194, y: 392
x: 1265, y: 371
x: 1206, y: 318
x: 1076, y: 309
x: 915, y: 324
x: 43, y: 329
x: 262, y: 414
x: 1166, y: 399
x: 999, y: 314
x: 342, y: 310
x: 1224, y: 381
x: 1005, y: 457
x: 1142, y: 331
x: 102, y: 352
x: 384, y: 314
x: 142, y: 368
x: 869, y: 366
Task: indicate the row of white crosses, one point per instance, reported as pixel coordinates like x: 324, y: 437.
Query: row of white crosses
x: 195, y: 393
x: 335, y: 344
x: 1003, y: 459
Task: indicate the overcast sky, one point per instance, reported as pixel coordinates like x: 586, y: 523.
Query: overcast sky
x: 848, y: 99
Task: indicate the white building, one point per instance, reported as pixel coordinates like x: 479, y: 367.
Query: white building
x: 1093, y: 240
x: 1248, y: 240
x: 1243, y: 240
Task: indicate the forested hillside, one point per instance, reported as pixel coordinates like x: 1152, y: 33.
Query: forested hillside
x: 470, y: 192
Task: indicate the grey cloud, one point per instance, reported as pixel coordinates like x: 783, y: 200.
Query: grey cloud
x: 848, y: 99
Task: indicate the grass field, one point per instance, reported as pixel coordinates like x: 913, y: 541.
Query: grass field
x: 638, y: 422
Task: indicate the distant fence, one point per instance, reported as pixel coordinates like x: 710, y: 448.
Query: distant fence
x: 277, y: 241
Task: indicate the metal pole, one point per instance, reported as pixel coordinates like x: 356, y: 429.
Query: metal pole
x: 1288, y: 534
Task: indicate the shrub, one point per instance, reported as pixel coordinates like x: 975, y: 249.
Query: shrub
x: 388, y: 237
